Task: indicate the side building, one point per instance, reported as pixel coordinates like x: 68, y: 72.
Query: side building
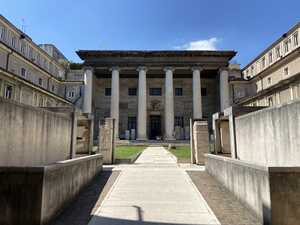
x: 273, y: 77
x: 35, y: 75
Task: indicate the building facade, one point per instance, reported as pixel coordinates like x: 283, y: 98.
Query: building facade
x: 153, y: 94
x: 273, y: 77
x: 33, y: 75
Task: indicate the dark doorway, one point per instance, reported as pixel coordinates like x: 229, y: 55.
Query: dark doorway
x: 155, y: 127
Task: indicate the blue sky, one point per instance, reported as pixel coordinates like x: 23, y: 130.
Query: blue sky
x: 246, y: 26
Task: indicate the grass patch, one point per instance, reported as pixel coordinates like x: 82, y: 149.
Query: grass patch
x: 128, y: 152
x: 182, y: 153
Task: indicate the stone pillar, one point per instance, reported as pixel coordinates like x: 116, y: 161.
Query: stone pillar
x: 197, y: 98
x: 114, y: 102
x: 142, y: 105
x: 169, y: 104
x: 88, y: 90
x: 224, y: 89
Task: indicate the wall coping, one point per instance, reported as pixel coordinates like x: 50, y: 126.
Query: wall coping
x: 50, y: 167
x: 269, y: 169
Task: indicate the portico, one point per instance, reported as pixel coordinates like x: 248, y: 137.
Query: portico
x: 152, y: 94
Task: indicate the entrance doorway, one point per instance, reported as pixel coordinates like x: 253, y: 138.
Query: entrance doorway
x: 155, y: 127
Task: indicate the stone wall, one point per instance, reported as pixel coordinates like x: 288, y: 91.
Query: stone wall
x: 35, y: 195
x: 106, y: 140
x: 271, y: 193
x: 270, y: 136
x: 32, y: 136
x: 200, y: 142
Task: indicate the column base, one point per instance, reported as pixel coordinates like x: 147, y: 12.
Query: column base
x: 169, y: 139
x: 142, y: 139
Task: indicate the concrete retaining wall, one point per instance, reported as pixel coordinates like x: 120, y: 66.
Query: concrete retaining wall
x: 270, y: 136
x: 32, y: 136
x: 35, y: 195
x: 272, y: 193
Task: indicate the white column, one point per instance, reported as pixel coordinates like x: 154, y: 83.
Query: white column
x: 142, y: 105
x: 224, y: 89
x: 114, y: 101
x: 88, y: 90
x: 197, y: 98
x: 169, y: 105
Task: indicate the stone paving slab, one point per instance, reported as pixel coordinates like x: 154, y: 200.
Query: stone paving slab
x: 154, y: 191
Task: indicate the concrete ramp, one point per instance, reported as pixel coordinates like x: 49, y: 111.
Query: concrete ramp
x: 154, y: 191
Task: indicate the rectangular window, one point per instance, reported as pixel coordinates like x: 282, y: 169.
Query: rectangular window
x: 286, y: 46
x: 2, y: 33
x: 40, y: 81
x: 30, y: 54
x: 132, y: 91
x: 263, y: 63
x: 107, y: 92
x: 270, y: 101
x: 204, y: 91
x: 270, y: 57
x: 155, y: 91
x: 178, y: 92
x: 13, y: 42
x: 8, y: 92
x: 71, y: 94
x: 23, y: 47
x: 131, y: 123
x: 53, y: 88
x: 23, y: 72
x: 269, y: 80
x: 286, y: 71
x: 179, y: 121
x: 277, y: 50
x: 295, y: 38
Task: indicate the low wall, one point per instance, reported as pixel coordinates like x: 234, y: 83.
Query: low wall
x: 35, y: 195
x: 31, y: 136
x: 272, y: 193
x: 270, y: 136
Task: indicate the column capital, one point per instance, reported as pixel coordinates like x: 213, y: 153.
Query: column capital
x: 194, y: 68
x: 88, y: 68
x: 169, y: 68
x: 223, y: 69
x: 115, y: 68
x: 140, y: 68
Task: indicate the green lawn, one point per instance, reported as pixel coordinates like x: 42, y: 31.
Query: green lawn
x: 182, y: 153
x: 128, y: 152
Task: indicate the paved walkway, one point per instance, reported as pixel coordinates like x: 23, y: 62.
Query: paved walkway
x: 154, y: 190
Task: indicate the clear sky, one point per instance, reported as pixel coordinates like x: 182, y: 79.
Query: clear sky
x: 246, y: 26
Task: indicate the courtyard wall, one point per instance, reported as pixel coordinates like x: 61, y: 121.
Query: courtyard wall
x: 32, y: 136
x: 270, y: 136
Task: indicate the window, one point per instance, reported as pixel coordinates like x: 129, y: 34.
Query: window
x: 270, y: 57
x: 23, y: 72
x: 286, y: 71
x: 2, y: 33
x: 277, y: 50
x: 30, y: 54
x: 53, y: 88
x: 286, y: 46
x: 204, y: 91
x: 40, y: 81
x: 23, y: 48
x: 179, y: 121
x: 252, y: 70
x: 13, y: 42
x: 155, y: 91
x: 71, y: 94
x: 295, y: 38
x: 178, y: 92
x: 8, y: 92
x: 270, y: 101
x: 269, y: 80
x: 38, y: 59
x: 263, y: 63
x: 107, y: 91
x: 132, y: 91
x: 41, y: 102
x: 131, y: 123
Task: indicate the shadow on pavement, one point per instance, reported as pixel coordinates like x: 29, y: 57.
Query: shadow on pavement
x: 79, y: 212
